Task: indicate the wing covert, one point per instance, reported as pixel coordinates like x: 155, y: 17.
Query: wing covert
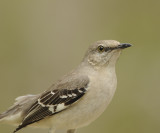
x: 52, y: 102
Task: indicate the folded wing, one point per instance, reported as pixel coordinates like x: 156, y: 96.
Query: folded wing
x: 55, y: 101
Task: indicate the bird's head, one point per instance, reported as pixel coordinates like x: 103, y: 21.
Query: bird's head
x: 104, y: 52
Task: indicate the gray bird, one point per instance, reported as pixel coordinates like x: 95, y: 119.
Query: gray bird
x: 77, y: 99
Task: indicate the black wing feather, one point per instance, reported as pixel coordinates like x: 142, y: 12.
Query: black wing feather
x: 40, y: 109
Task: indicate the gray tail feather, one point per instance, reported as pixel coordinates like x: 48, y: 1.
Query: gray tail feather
x: 2, y: 116
x: 21, y: 104
x: 12, y: 110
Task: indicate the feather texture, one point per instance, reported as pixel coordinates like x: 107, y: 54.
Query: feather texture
x: 54, y: 101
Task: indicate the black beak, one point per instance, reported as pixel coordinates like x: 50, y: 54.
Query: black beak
x: 124, y: 45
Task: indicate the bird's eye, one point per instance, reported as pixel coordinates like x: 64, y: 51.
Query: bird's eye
x: 100, y: 48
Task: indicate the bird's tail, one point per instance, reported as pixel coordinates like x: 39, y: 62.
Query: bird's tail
x: 14, y: 114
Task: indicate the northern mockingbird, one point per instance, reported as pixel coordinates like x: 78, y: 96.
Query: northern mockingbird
x: 75, y: 100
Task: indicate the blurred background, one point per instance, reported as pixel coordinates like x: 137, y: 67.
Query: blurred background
x: 42, y: 40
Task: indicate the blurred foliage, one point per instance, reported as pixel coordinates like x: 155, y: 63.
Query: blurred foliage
x: 42, y: 40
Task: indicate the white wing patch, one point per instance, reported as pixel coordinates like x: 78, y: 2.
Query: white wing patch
x: 69, y: 95
x: 73, y: 94
x: 51, y: 108
x: 52, y: 93
x: 52, y: 102
x: 40, y: 103
x: 60, y: 107
x: 64, y: 96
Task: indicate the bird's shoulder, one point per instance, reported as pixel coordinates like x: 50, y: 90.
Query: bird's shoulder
x: 70, y: 81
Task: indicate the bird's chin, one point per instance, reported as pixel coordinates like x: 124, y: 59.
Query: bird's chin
x: 115, y: 55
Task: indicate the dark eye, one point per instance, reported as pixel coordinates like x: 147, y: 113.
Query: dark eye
x: 100, y: 48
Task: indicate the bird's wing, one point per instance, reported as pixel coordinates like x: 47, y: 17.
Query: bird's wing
x: 55, y: 100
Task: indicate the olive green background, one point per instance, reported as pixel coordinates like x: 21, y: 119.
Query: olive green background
x: 40, y: 40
